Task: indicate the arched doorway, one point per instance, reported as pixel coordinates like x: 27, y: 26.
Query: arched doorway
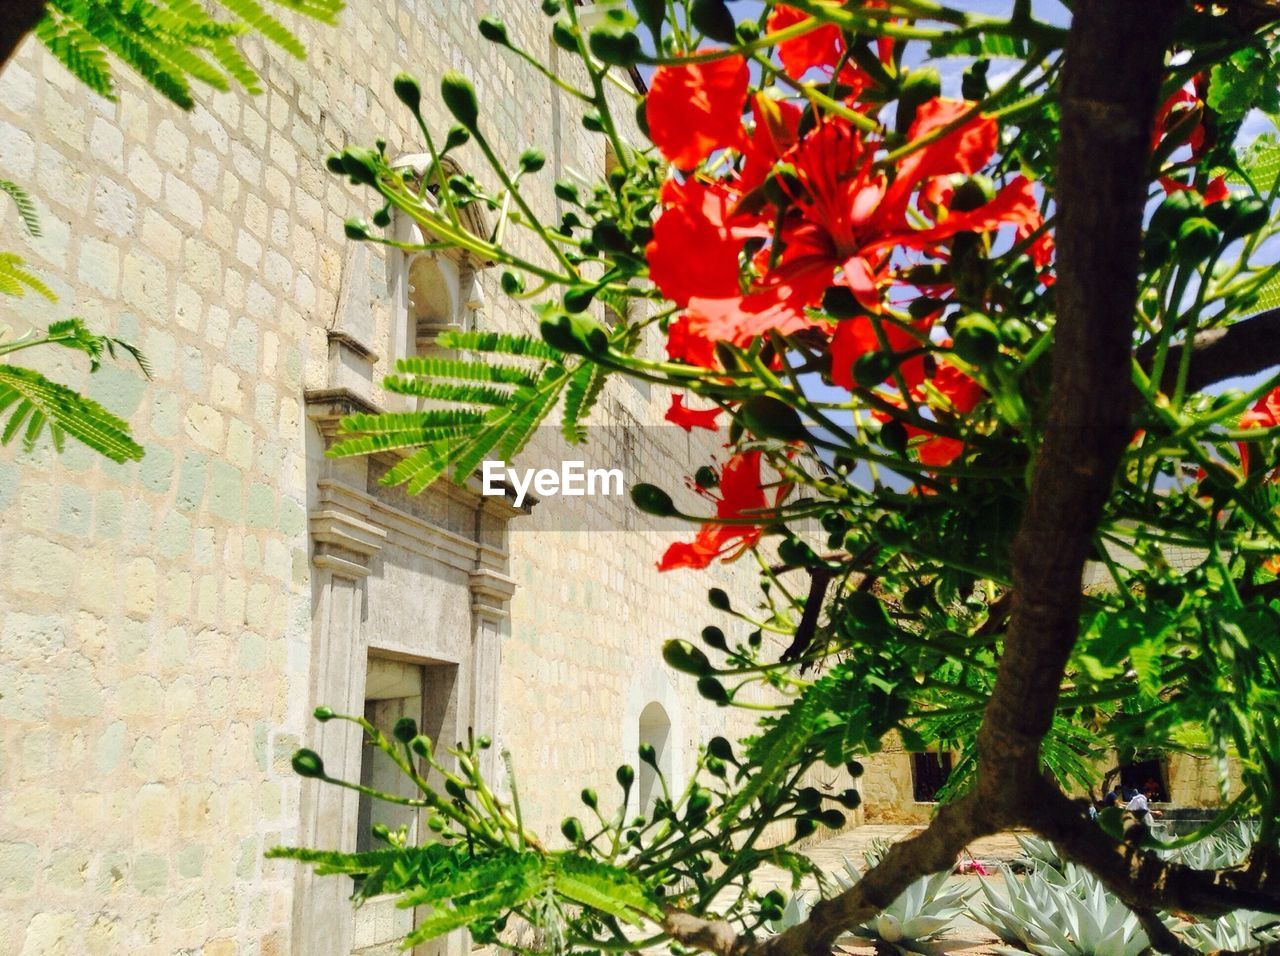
x: 655, y: 730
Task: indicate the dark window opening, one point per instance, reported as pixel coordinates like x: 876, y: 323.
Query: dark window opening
x: 1146, y: 776
x: 929, y: 772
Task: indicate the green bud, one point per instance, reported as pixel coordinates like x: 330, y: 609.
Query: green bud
x: 713, y: 20
x: 455, y: 790
x: 484, y: 741
x: 564, y: 37
x: 850, y: 799
x: 831, y: 819
x: 408, y: 91
x: 839, y: 302
x: 361, y: 164
x: 714, y: 691
x: 494, y: 30
x: 356, y: 229
x: 652, y: 500
x: 649, y: 755
x: 804, y: 828
x: 456, y: 137
x: 1197, y: 239
x: 718, y: 599
x: 706, y: 477
x: 972, y: 193
x: 333, y: 163
x: 405, y: 729
x: 460, y: 99
x: 976, y: 340
x: 721, y: 748
x: 716, y: 767
x: 382, y: 832
x: 592, y: 122
x: 854, y: 769
x: 323, y: 714
x: 712, y: 636
x: 307, y: 763
x: 589, y: 798
x: 684, y: 657
x: 1014, y: 333
x: 894, y: 437
x: 579, y: 298
x: 421, y: 745
x: 768, y: 417
x: 626, y: 776
x: 575, y: 334
x: 1245, y: 216
x: 512, y: 282
x: 808, y: 798
x: 532, y: 160
x: 651, y: 14
x: 1170, y: 214
x: 748, y: 32
x: 572, y: 829
x: 919, y: 86
x: 566, y: 191
x: 615, y: 48
x: 551, y: 7
x: 796, y: 553
x: 435, y: 823
x: 872, y: 368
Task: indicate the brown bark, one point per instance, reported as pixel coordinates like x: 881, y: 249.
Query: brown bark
x: 1242, y: 348
x: 19, y: 18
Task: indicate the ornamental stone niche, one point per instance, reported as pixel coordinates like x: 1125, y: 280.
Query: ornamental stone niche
x: 410, y: 598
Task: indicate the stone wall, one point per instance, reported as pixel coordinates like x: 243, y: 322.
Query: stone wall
x: 159, y: 621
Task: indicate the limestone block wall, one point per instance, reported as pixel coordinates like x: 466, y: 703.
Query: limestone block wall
x: 157, y: 620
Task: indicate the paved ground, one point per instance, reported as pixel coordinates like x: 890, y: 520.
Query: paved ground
x: 965, y: 936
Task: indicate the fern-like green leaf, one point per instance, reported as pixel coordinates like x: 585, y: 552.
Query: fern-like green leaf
x: 15, y: 280
x: 499, y: 343
x: 585, y: 385
x: 466, y: 371
x: 26, y: 206
x: 446, y: 391
x: 28, y: 393
x: 252, y: 13
x: 607, y: 889
x: 76, y: 49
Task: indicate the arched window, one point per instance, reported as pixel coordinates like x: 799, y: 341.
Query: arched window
x: 432, y: 290
x: 655, y: 730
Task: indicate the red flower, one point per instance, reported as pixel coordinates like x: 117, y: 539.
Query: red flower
x: 696, y: 241
x: 690, y: 418
x: 855, y: 337
x: 821, y: 49
x: 694, y: 109
x: 741, y: 496
x: 1264, y: 414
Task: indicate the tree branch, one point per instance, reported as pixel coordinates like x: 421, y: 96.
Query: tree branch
x: 20, y: 18
x: 1111, y: 77
x: 1243, y: 348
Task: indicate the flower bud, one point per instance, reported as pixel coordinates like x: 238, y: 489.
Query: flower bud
x: 575, y: 334
x: 1197, y: 239
x: 323, y: 714
x: 721, y: 748
x: 626, y: 776
x: 714, y: 691
x: 651, y: 14
x: 976, y: 340
x: 614, y: 48
x: 712, y: 636
x: 408, y: 91
x: 572, y: 829
x: 532, y: 160
x: 307, y: 763
x: 713, y: 20
x: 652, y: 500
x: 649, y: 755
x: 718, y: 599
x: 494, y: 30
x: 872, y: 368
x: 684, y: 657
x: 405, y: 730
x: 460, y: 98
x: 768, y: 417
x: 455, y: 137
x: 589, y: 798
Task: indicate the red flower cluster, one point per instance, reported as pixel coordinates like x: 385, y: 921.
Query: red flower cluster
x: 742, y: 496
x: 1264, y: 414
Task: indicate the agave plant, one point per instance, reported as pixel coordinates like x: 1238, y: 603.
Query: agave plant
x: 1060, y: 913
x: 1040, y: 853
x: 1219, y: 850
x: 1234, y: 932
x: 917, y: 918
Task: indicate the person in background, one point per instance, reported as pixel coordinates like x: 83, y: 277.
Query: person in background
x: 1140, y: 807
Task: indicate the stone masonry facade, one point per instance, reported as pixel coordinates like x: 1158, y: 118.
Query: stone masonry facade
x: 167, y: 627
